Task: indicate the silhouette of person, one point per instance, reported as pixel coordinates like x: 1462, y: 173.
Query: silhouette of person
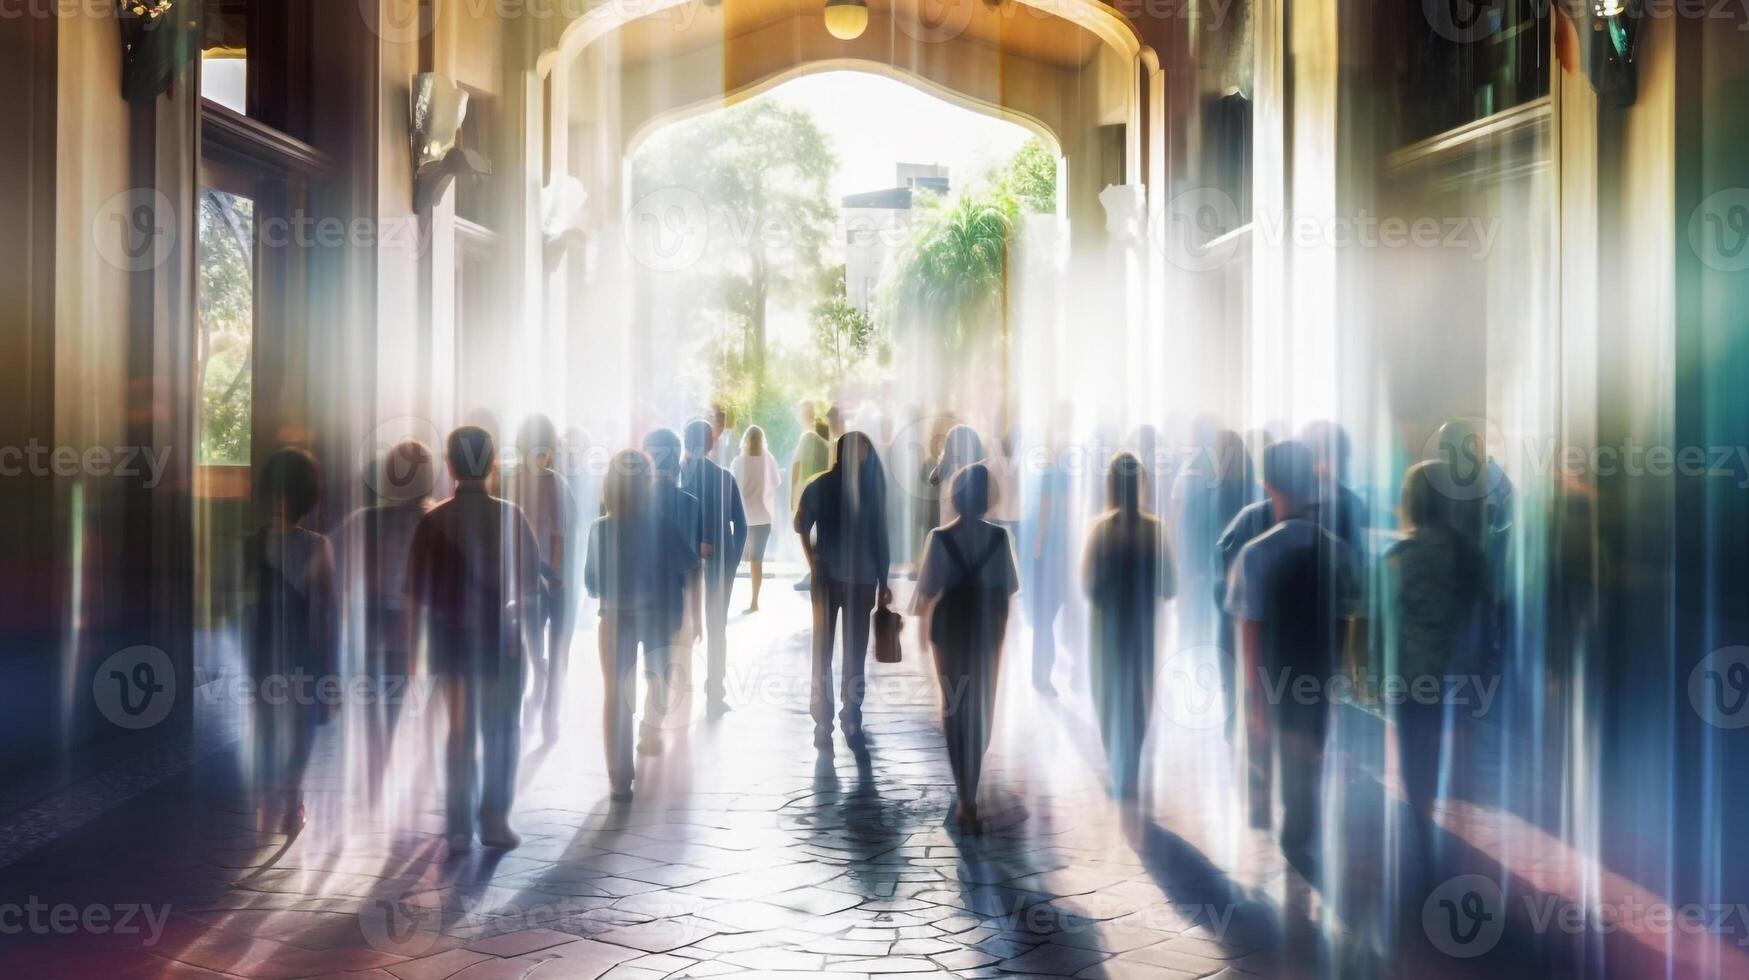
x: 725, y: 539
x: 1127, y: 572
x: 1337, y: 508
x: 755, y: 471
x: 474, y: 578
x: 813, y: 457
x: 964, y: 587
x: 637, y: 558
x: 535, y: 486
x: 1436, y: 584
x: 1291, y: 591
x: 1202, y: 579
x: 290, y: 632
x: 1341, y: 509
x: 374, y: 544
x: 1045, y: 536
x: 960, y: 449
x: 582, y: 463
x: 683, y: 619
x: 842, y: 522
x: 724, y: 442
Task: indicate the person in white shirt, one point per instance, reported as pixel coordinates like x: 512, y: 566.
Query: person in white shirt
x: 756, y: 471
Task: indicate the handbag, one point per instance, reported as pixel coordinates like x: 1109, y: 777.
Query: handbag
x: 888, y: 625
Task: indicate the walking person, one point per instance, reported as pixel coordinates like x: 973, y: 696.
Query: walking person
x: 755, y: 471
x: 635, y: 562
x: 964, y: 587
x: 1045, y: 555
x: 1127, y: 572
x: 535, y: 486
x: 374, y: 544
x: 812, y: 457
x: 960, y: 449
x: 682, y: 615
x: 1436, y: 583
x: 842, y: 522
x: 290, y: 632
x: 724, y: 518
x: 473, y: 580
x: 1291, y: 594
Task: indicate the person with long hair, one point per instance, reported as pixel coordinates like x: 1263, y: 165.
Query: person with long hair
x: 842, y: 522
x: 756, y: 472
x: 1127, y: 572
x: 960, y: 449
x: 290, y: 632
x: 636, y: 563
x: 534, y: 484
x: 964, y: 586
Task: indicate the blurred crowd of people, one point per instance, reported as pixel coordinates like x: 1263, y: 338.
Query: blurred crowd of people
x: 1252, y: 548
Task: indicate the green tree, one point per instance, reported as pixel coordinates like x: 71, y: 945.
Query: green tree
x: 1031, y: 177
x: 952, y: 277
x: 843, y: 333
x: 225, y: 321
x: 762, y: 172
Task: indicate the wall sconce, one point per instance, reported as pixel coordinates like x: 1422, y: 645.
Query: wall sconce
x: 437, y: 107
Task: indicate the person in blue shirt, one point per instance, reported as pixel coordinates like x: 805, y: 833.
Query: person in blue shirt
x: 724, y: 538
x: 634, y: 567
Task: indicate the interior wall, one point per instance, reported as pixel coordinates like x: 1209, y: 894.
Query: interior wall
x: 29, y: 70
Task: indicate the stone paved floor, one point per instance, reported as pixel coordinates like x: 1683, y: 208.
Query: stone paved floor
x: 744, y: 852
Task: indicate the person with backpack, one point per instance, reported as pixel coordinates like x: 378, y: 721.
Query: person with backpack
x: 964, y: 586
x: 1127, y: 572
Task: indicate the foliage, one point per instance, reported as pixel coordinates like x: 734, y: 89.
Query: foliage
x: 952, y: 276
x: 226, y: 326
x: 761, y: 171
x: 843, y: 334
x: 1031, y: 177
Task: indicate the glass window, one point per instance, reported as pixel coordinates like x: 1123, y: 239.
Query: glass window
x: 226, y: 323
x: 224, y: 54
x: 1468, y: 60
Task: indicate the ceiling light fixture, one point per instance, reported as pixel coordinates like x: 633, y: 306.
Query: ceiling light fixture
x: 846, y: 19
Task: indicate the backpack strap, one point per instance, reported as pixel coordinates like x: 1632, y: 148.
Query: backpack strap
x: 954, y: 552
